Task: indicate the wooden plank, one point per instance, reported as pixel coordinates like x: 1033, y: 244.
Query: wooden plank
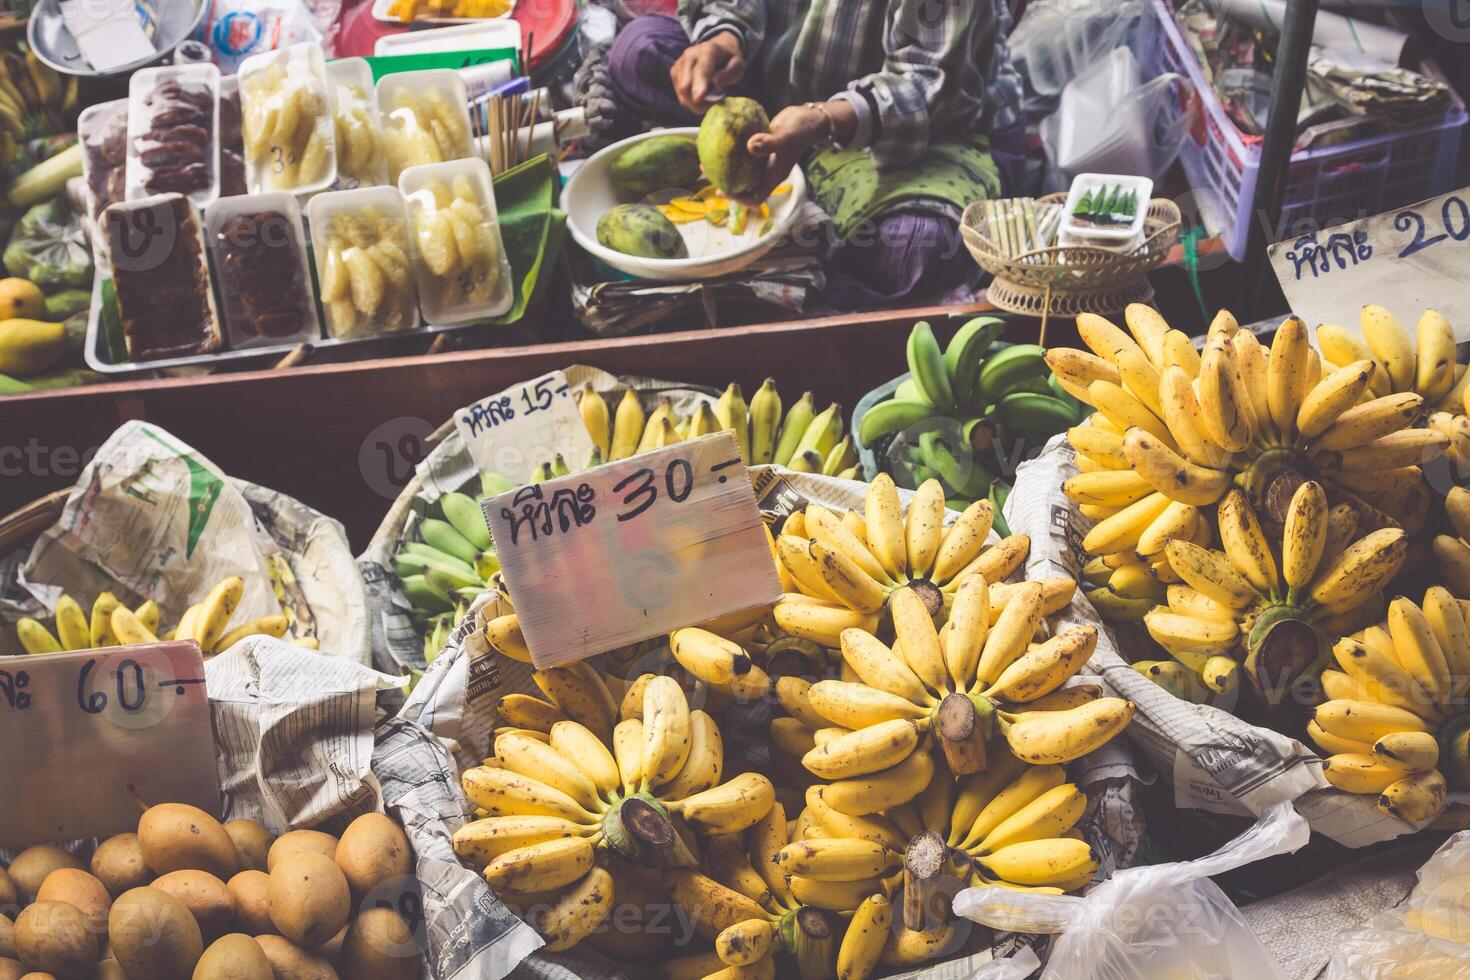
x: 344, y: 437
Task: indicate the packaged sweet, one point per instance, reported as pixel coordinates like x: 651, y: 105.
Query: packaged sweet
x: 290, y: 143
x: 173, y: 130
x: 260, y: 262
x: 463, y: 274
x: 363, y: 261
x: 161, y: 278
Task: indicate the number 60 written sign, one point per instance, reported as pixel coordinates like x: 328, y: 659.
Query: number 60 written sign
x: 633, y: 549
x: 87, y: 735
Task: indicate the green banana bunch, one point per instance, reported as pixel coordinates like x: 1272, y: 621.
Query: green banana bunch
x: 970, y: 402
x: 450, y: 562
x: 802, y: 439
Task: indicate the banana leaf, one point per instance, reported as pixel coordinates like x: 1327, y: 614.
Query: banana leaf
x: 533, y: 229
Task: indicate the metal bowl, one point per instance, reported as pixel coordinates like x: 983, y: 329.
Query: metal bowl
x: 49, y: 37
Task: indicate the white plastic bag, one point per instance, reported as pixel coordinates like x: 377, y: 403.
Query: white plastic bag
x: 1163, y: 920
x: 1110, y: 121
x: 1426, y: 936
x: 1057, y: 40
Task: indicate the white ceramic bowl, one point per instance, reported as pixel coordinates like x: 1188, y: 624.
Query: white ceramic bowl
x: 713, y: 252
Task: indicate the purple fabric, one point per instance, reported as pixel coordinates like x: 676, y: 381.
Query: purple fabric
x: 1008, y: 150
x: 914, y: 254
x: 639, y: 62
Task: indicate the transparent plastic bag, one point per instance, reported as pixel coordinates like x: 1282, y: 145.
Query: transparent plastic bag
x: 1426, y: 936
x: 1110, y: 121
x: 1059, y: 39
x: 1164, y: 920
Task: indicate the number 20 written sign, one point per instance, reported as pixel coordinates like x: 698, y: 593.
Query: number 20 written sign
x: 87, y: 735
x: 1408, y: 260
x: 632, y: 549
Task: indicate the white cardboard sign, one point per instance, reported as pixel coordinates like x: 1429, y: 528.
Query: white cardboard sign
x: 1409, y: 260
x: 632, y: 549
x: 516, y: 430
x: 88, y: 735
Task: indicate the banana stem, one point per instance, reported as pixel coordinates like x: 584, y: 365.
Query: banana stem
x: 962, y: 725
x: 924, y: 903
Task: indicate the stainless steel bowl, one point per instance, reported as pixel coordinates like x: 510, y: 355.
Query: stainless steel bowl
x: 48, y: 36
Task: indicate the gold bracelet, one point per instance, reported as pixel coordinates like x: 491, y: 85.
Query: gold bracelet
x: 831, y: 120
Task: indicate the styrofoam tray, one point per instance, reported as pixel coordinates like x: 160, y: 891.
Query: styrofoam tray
x: 380, y: 13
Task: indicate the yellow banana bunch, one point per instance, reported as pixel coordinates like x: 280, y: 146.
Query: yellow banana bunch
x: 966, y: 688
x: 846, y: 567
x: 1270, y: 606
x: 1394, y: 722
x: 572, y: 790
x: 1424, y: 364
x: 765, y: 435
x: 113, y: 624
x: 1176, y: 426
x: 1451, y: 552
x: 743, y: 898
x: 1012, y: 825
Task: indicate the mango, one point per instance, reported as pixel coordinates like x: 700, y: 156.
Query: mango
x: 154, y: 935
x: 179, y: 837
x: 723, y: 137
x: 29, y: 347
x: 640, y: 229
x: 118, y: 863
x: 655, y: 164
x: 22, y: 298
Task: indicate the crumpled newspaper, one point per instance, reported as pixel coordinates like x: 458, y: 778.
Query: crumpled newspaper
x: 151, y: 517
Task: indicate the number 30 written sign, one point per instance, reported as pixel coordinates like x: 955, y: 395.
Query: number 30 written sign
x: 633, y: 549
x: 1407, y: 260
x: 89, y: 734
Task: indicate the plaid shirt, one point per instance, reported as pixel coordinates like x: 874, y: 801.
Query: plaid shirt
x: 912, y: 67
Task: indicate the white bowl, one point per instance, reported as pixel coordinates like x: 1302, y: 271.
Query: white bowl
x: 713, y: 252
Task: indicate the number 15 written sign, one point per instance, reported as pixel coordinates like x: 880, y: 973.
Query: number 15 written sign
x: 633, y: 549
x: 1407, y: 260
x: 87, y: 735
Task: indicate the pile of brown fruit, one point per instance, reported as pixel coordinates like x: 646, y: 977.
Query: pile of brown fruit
x: 189, y: 898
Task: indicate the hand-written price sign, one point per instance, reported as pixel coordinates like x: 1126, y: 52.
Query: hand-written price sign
x: 632, y: 549
x: 513, y: 432
x: 1408, y: 260
x: 87, y: 735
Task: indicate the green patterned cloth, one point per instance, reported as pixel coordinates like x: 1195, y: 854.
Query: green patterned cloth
x: 951, y: 177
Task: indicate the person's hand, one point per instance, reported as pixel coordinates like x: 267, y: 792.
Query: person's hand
x: 794, y: 131
x: 707, y: 69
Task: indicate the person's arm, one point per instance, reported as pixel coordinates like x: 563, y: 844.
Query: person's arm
x: 725, y: 34
x: 928, y: 45
x: 746, y: 19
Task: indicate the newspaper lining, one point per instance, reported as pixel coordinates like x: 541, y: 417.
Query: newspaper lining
x: 152, y: 518
x: 1216, y: 761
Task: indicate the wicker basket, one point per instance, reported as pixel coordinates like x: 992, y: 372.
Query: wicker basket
x: 20, y: 527
x: 1071, y: 279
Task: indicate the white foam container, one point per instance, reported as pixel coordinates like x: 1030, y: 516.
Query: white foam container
x: 447, y: 83
x: 419, y: 201
x: 356, y: 72
x: 285, y: 205
x: 143, y: 265
x: 322, y: 209
x: 140, y: 118
x: 1119, y: 236
x: 305, y: 56
x: 471, y: 35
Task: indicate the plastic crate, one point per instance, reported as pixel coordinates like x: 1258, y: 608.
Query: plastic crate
x: 1325, y: 187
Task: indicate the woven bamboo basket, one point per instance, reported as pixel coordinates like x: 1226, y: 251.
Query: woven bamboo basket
x: 1070, y: 279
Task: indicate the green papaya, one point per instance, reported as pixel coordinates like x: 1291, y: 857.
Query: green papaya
x: 640, y: 229
x: 723, y: 135
x: 655, y: 164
